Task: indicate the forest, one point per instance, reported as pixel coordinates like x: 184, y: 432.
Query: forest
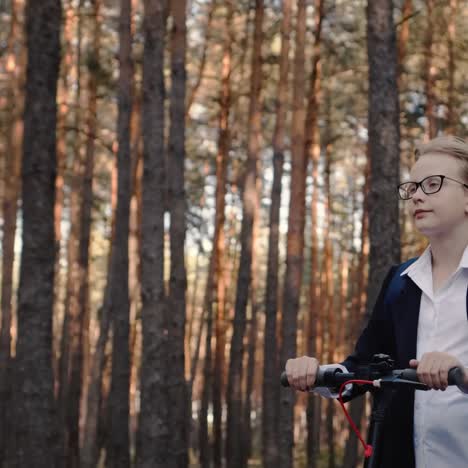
x: 193, y: 192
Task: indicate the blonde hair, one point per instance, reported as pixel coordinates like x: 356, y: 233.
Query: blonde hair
x: 448, y: 145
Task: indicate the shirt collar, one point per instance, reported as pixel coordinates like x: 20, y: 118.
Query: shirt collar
x: 422, y: 263
x: 425, y: 261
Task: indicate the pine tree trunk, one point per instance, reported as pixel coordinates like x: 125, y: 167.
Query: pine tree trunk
x: 429, y: 72
x: 90, y: 449
x: 312, y: 153
x: 72, y: 334
x: 153, y: 431
x: 224, y: 143
x: 87, y: 202
x: 384, y: 145
x: 204, y: 439
x: 35, y: 428
x: 201, y: 69
x: 178, y: 276
x: 451, y: 105
x: 12, y: 187
x: 295, y: 241
x: 270, y: 393
x: 63, y: 112
x: 249, y: 195
x: 118, y: 454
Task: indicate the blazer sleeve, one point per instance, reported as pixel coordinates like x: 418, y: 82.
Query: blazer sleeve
x: 376, y: 337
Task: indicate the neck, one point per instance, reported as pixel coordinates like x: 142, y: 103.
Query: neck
x: 447, y: 251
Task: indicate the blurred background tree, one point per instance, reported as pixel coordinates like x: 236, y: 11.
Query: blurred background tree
x: 191, y: 193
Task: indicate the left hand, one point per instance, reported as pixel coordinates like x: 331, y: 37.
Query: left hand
x: 433, y: 369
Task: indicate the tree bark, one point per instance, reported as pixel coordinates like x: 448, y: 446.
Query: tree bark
x: 234, y: 455
x: 312, y: 152
x: 87, y: 201
x: 118, y: 454
x: 153, y: 431
x: 35, y: 427
x: 295, y: 240
x: 71, y: 356
x: 451, y: 105
x: 12, y: 186
x: 270, y: 397
x: 222, y: 157
x: 178, y: 276
x: 429, y: 72
x: 384, y: 145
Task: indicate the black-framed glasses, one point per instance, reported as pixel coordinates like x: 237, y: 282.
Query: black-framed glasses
x: 429, y: 185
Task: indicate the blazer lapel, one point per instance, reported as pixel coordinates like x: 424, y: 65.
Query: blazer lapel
x: 405, y: 313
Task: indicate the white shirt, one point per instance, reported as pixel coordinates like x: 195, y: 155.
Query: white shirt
x: 441, y: 417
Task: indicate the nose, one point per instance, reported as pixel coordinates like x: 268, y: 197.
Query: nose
x: 418, y: 195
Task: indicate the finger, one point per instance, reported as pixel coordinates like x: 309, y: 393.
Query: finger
x: 289, y: 372
x: 423, y: 371
x: 303, y: 374
x: 446, y: 366
x: 435, y: 374
x: 414, y: 363
x: 311, y: 373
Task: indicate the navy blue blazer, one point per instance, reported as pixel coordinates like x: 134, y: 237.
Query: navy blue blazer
x: 392, y: 329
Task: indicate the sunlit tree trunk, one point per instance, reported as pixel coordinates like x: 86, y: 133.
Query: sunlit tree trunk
x: 252, y: 336
x: 312, y: 154
x: 35, y: 425
x: 153, y: 430
x: 12, y: 185
x: 63, y: 113
x: 216, y: 281
x: 270, y: 393
x: 222, y: 157
x: 451, y: 105
x: 429, y: 71
x: 118, y: 454
x: 201, y: 69
x: 295, y: 240
x: 404, y: 34
x: 87, y: 199
x: 71, y: 355
x: 234, y: 455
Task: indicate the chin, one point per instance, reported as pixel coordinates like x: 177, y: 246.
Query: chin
x: 426, y: 229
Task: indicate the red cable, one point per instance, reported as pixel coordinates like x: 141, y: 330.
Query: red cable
x: 367, y: 448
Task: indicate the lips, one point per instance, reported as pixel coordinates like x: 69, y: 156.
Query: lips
x: 421, y: 212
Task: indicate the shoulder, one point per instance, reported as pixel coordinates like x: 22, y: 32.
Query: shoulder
x: 395, y: 281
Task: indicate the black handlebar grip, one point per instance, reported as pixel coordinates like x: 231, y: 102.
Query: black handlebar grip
x: 284, y: 379
x: 455, y: 376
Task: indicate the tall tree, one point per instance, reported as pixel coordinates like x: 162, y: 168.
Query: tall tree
x: 93, y: 62
x: 71, y: 356
x: 222, y: 157
x: 295, y: 238
x: 451, y: 106
x: 234, y: 454
x: 35, y: 425
x: 178, y: 416
x: 429, y: 71
x: 383, y: 146
x: 270, y: 394
x: 312, y: 153
x: 153, y: 430
x: 118, y: 442
x: 14, y: 134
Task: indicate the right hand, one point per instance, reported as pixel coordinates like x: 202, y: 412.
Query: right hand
x: 302, y: 372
